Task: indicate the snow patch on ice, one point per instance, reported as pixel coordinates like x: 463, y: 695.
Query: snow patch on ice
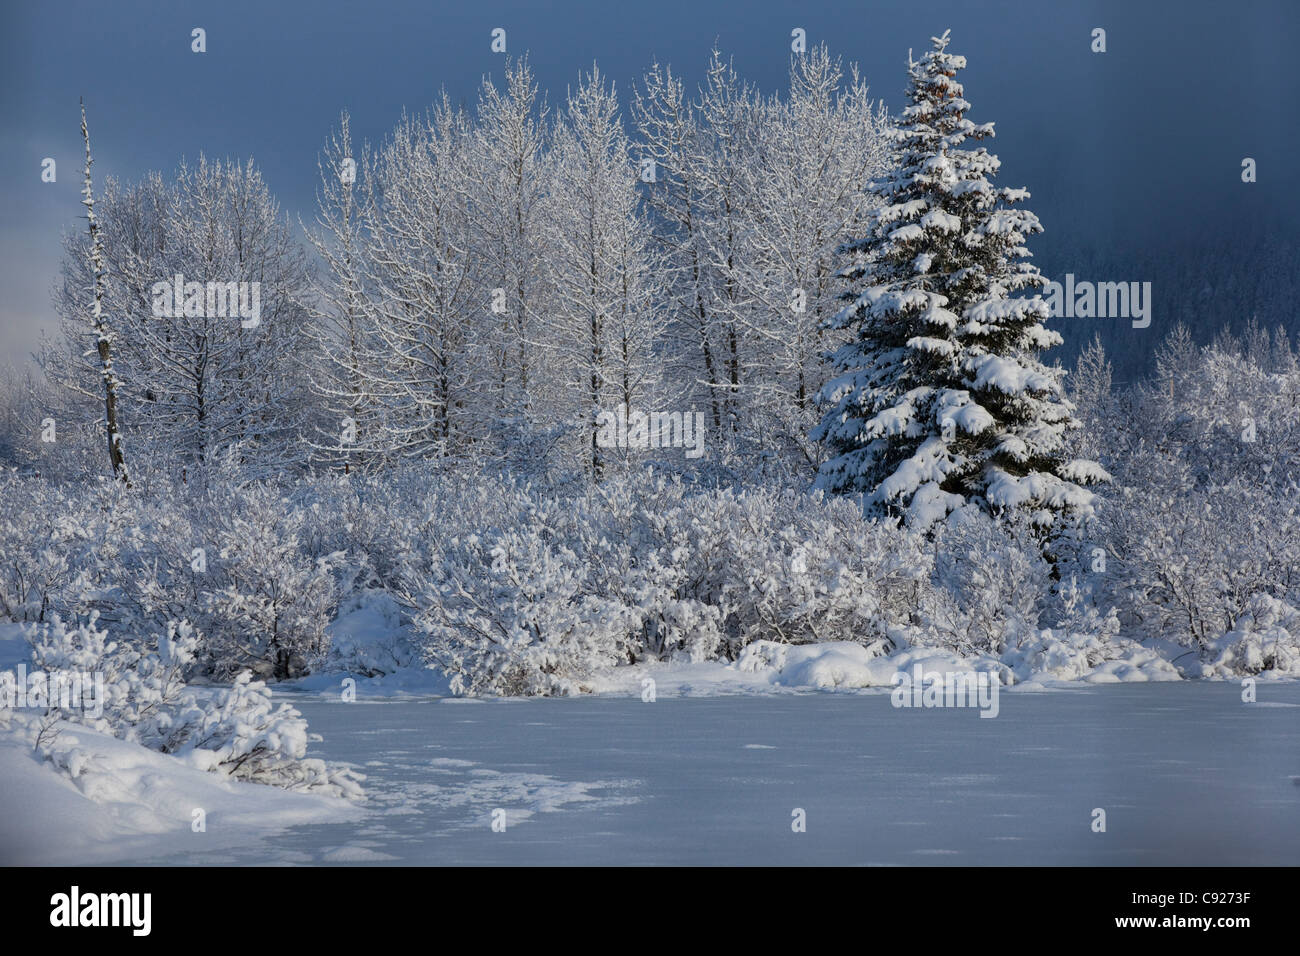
x: 128, y: 803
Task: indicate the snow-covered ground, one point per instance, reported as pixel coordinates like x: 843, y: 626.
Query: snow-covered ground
x: 1186, y: 772
x: 114, y: 801
x: 130, y: 803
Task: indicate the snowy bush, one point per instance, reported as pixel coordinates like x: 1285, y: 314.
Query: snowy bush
x: 1190, y: 560
x: 34, y: 569
x: 240, y: 732
x: 1266, y: 637
x: 143, y: 684
x: 513, y: 615
x: 244, y: 564
x: 272, y: 603
x: 1203, y: 513
x: 37, y: 566
x: 990, y: 584
x: 1084, y: 644
x: 235, y: 731
x: 370, y: 636
x: 559, y: 586
x: 796, y: 569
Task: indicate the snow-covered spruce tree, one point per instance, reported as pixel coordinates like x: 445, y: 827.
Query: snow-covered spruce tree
x: 941, y: 399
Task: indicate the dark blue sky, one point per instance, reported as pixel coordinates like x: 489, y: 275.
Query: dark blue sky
x: 1140, y: 145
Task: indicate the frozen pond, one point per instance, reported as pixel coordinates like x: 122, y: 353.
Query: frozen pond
x: 1186, y: 773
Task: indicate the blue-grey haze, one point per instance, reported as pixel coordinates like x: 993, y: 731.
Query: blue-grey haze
x: 1133, y: 156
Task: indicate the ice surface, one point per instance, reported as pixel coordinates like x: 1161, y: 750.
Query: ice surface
x: 1186, y: 772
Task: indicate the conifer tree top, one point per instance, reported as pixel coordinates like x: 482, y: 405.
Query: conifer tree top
x: 941, y: 399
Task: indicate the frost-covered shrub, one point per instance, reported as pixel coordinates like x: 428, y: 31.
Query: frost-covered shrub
x: 238, y: 564
x: 373, y: 520
x: 1266, y: 637
x: 504, y: 605
x: 37, y: 527
x: 711, y: 571
x: 240, y: 732
x: 34, y: 569
x: 800, y: 569
x: 557, y: 586
x: 513, y: 614
x: 1227, y: 414
x: 164, y: 584
x: 271, y: 603
x: 236, y: 731
x: 1189, y: 559
x: 370, y: 636
x: 1202, y: 514
x: 64, y: 548
x: 990, y: 584
x: 243, y: 564
x: 1083, y: 644
x: 142, y: 682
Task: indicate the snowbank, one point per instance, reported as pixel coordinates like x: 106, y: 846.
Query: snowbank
x: 367, y: 636
x: 769, y: 667
x: 1264, y: 643
x: 127, y: 803
x: 844, y: 665
x: 1094, y: 659
x: 766, y: 667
